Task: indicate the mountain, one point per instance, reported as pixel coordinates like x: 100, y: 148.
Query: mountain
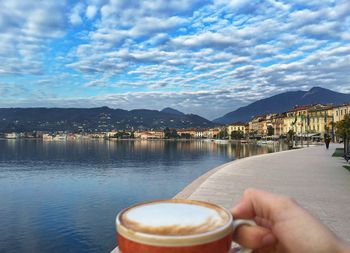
x: 284, y: 102
x: 172, y: 111
x: 93, y: 119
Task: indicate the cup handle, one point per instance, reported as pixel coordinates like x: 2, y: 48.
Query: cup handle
x: 236, y: 224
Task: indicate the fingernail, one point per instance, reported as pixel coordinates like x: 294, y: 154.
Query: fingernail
x: 268, y: 240
x: 235, y: 209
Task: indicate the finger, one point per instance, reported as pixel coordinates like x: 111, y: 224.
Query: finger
x: 262, y: 204
x: 263, y: 222
x: 254, y: 237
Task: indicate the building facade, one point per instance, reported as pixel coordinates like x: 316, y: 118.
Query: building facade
x: 296, y: 120
x: 278, y: 124
x: 340, y: 111
x: 236, y: 127
x: 321, y: 120
x: 258, y: 126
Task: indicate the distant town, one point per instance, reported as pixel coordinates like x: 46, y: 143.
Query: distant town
x: 308, y: 121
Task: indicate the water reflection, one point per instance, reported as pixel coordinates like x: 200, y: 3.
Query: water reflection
x: 138, y: 150
x: 63, y: 196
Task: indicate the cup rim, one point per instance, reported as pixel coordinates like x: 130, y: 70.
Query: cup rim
x: 175, y: 240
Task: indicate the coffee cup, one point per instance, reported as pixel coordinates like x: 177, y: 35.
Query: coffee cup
x: 177, y: 226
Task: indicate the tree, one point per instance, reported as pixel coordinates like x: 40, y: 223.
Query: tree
x: 174, y: 134
x: 252, y: 134
x: 186, y: 136
x: 169, y: 134
x: 237, y: 135
x: 343, y: 131
x: 223, y: 134
x: 290, y: 138
x: 270, y: 130
x: 122, y: 135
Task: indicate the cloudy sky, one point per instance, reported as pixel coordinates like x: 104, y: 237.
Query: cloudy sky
x: 198, y: 56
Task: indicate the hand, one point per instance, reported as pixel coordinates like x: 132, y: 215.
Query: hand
x: 283, y: 226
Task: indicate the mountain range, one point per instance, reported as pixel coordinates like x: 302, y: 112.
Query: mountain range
x: 95, y: 119
x: 284, y: 102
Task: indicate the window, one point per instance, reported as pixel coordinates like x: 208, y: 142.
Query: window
x: 336, y: 113
x: 341, y: 112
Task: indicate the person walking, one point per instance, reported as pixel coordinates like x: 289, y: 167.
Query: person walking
x: 327, y: 141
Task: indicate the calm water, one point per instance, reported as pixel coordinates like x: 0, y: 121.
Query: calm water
x: 64, y: 196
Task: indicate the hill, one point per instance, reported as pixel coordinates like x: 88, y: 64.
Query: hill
x: 172, y: 111
x: 93, y: 119
x: 284, y: 102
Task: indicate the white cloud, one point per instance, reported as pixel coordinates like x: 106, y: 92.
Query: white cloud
x: 208, y: 39
x: 150, y: 25
x: 76, y: 13
x: 25, y: 29
x: 325, y: 30
x: 91, y: 11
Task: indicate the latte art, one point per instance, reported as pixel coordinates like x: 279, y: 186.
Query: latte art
x: 173, y: 218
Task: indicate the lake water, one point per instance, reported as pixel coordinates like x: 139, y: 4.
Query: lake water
x: 64, y: 196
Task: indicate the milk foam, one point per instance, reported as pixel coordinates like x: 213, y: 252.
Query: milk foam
x: 174, y: 218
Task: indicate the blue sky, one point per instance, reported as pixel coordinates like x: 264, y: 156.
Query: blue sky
x: 198, y: 56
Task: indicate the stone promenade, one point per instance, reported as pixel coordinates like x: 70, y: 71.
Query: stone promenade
x: 312, y: 176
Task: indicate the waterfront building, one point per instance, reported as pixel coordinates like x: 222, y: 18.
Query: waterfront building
x: 187, y: 132
x: 278, y: 124
x: 11, y: 135
x: 258, y: 126
x: 236, y: 127
x: 321, y: 120
x: 253, y: 126
x: 147, y: 135
x: 110, y: 134
x: 340, y: 111
x: 296, y: 119
x: 268, y: 124
x: 47, y: 137
x: 199, y: 133
x: 236, y: 130
x: 246, y: 129
x: 211, y: 133
x: 60, y: 137
x: 100, y: 135
x: 73, y: 137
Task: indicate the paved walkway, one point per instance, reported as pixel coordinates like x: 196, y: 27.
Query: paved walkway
x: 312, y: 176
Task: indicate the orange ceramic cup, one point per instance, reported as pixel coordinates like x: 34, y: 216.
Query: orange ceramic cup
x: 176, y: 226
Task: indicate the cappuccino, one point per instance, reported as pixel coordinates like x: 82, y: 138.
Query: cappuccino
x: 174, y: 218
x: 176, y: 226
x: 174, y: 222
